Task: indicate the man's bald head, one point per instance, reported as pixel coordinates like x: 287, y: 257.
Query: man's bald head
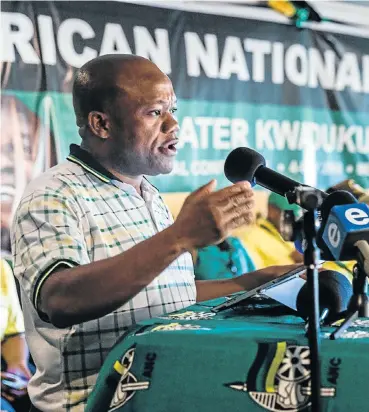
x: 98, y: 83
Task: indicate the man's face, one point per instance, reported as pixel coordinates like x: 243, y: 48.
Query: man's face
x: 143, y: 129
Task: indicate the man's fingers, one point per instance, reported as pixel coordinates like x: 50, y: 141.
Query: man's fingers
x: 229, y: 191
x: 240, y: 201
x: 236, y: 220
x: 204, y: 190
x: 304, y: 275
x: 8, y: 376
x: 238, y: 212
x: 18, y: 393
x: 227, y: 201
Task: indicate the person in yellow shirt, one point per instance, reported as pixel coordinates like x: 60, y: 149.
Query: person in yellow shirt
x: 15, y: 371
x: 263, y: 240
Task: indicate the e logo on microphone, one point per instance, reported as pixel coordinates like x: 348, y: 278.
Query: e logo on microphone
x: 357, y: 216
x: 346, y: 224
x: 334, y: 235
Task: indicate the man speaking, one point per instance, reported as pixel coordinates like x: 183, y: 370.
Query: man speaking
x: 95, y: 248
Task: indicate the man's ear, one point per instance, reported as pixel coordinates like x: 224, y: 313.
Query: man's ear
x: 99, y: 124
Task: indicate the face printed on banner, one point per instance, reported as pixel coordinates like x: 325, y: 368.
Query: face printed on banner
x: 139, y: 125
x: 27, y: 149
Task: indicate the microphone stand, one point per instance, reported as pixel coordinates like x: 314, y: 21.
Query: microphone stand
x: 311, y: 258
x: 310, y: 199
x: 359, y: 302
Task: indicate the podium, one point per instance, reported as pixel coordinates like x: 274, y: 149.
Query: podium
x: 196, y: 360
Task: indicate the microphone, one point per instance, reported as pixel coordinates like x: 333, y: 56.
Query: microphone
x: 335, y: 292
x: 345, y: 226
x: 247, y: 164
x: 340, y: 197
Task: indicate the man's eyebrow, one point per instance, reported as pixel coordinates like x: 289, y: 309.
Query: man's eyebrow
x: 163, y: 102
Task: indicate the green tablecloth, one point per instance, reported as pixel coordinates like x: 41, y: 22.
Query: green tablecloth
x: 195, y: 360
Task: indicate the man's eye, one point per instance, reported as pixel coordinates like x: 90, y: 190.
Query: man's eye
x: 173, y: 110
x: 155, y: 113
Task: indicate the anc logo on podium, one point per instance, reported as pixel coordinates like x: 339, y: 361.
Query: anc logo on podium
x: 279, y: 378
x: 176, y: 327
x: 190, y: 315
x: 128, y: 384
x: 169, y: 327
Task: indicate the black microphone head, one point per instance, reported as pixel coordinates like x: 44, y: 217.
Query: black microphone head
x: 335, y: 292
x: 339, y: 197
x: 242, y: 163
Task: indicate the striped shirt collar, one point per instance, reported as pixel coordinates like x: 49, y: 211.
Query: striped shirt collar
x: 89, y: 163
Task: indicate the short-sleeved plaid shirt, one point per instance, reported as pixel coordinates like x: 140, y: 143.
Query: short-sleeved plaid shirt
x: 74, y: 214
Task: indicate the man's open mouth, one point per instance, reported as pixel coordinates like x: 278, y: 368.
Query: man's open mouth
x: 169, y: 148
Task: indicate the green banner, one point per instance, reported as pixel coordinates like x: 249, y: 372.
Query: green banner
x: 299, y: 97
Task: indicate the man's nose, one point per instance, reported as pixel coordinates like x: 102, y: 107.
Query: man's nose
x: 170, y: 125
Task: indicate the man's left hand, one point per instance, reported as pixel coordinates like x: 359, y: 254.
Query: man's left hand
x: 12, y: 386
x: 252, y: 280
x: 20, y: 369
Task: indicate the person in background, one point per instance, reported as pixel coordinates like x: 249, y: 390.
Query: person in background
x: 224, y: 260
x: 15, y: 372
x: 264, y: 242
x: 354, y: 188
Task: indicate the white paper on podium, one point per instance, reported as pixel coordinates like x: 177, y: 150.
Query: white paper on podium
x: 286, y: 293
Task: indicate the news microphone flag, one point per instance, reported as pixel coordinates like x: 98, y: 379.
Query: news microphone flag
x: 346, y: 225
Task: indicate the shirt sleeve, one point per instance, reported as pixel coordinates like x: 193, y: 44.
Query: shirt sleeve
x: 47, y: 234
x: 15, y: 323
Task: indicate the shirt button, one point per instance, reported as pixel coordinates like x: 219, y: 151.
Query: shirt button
x: 234, y: 269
